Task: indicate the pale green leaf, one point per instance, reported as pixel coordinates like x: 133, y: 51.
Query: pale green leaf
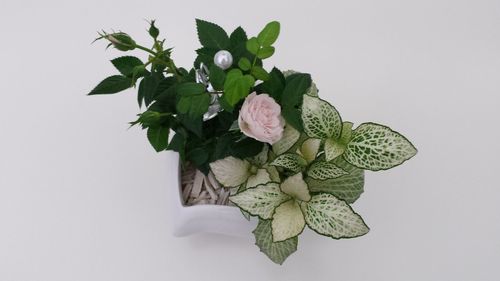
x: 273, y: 173
x: 376, y: 147
x: 231, y: 171
x: 333, y: 149
x: 323, y: 170
x: 296, y: 187
x: 321, y: 120
x: 290, y: 161
x: 348, y: 187
x: 289, y: 138
x: 332, y: 217
x: 276, y: 251
x: 269, y: 34
x: 309, y: 149
x: 288, y: 221
x: 261, y: 200
x: 261, y: 177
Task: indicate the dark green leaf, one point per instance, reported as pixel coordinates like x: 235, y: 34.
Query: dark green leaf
x: 217, y: 77
x: 238, y: 36
x: 212, y: 35
x: 269, y: 34
x: 190, y: 89
x: 158, y: 137
x: 274, y: 85
x: 126, y: 64
x: 265, y: 52
x: 296, y: 86
x: 278, y: 252
x: 112, y: 85
x: 244, y: 64
x: 147, y: 88
x: 253, y: 45
x: 245, y: 148
x: 178, y: 144
x: 259, y: 73
x: 194, y: 125
x: 197, y: 156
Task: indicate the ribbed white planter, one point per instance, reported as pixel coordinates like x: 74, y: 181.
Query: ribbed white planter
x: 189, y: 220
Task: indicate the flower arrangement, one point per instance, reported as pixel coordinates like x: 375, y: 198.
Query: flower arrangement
x: 288, y: 156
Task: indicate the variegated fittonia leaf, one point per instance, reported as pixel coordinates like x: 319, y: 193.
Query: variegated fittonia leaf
x: 289, y: 138
x: 309, y: 149
x: 323, y: 170
x: 321, y: 120
x: 288, y: 221
x: 273, y: 173
x: 276, y: 251
x: 348, y: 187
x: 332, y: 217
x: 333, y: 149
x: 261, y: 177
x: 261, y: 158
x: 231, y: 171
x: 376, y: 147
x: 290, y: 161
x: 260, y: 200
x: 296, y: 187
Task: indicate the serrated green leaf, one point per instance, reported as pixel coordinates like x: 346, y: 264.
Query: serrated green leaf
x: 265, y: 52
x: 253, y: 45
x: 321, y: 120
x: 322, y: 170
x: 296, y: 187
x: 278, y: 252
x: 332, y: 217
x: 295, y: 88
x: 259, y: 73
x: 238, y: 36
x: 288, y: 221
x: 217, y: 77
x: 112, y: 85
x: 158, y: 137
x: 269, y: 34
x: 194, y: 106
x: 212, y: 35
x: 147, y: 88
x: 289, y: 138
x: 231, y: 171
x: 290, y: 161
x: 376, y: 147
x: 260, y: 200
x: 244, y: 64
x: 237, y: 86
x: 126, y: 64
x: 348, y: 187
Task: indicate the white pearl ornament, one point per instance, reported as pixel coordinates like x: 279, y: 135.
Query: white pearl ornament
x: 223, y: 59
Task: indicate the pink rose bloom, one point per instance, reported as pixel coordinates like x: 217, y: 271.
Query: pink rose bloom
x: 260, y: 118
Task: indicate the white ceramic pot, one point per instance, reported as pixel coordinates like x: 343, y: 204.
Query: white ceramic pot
x: 189, y: 220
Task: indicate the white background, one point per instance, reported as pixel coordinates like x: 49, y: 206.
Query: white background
x: 83, y: 198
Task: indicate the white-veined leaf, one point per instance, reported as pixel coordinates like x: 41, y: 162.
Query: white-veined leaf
x: 290, y: 161
x: 288, y: 221
x: 376, y: 147
x: 321, y: 120
x: 231, y: 171
x: 276, y: 251
x: 261, y: 177
x: 289, y: 138
x: 260, y: 200
x: 296, y: 187
x: 273, y: 173
x: 323, y: 170
x: 332, y: 217
x: 309, y: 149
x: 333, y: 149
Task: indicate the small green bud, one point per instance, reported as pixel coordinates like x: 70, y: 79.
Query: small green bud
x: 119, y: 40
x: 153, y: 30
x: 150, y: 118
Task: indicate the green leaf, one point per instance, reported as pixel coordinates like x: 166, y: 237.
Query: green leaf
x: 269, y: 34
x: 237, y: 86
x: 333, y: 149
x: 217, y: 77
x: 238, y: 36
x: 158, y: 137
x: 376, y: 147
x: 309, y: 149
x: 288, y: 221
x: 321, y: 120
x: 265, y: 52
x: 197, y: 156
x: 289, y: 138
x: 290, y: 161
x: 274, y: 85
x: 253, y: 45
x: 231, y: 171
x: 212, y: 35
x: 244, y: 64
x: 295, y: 88
x: 296, y: 187
x: 348, y: 187
x: 261, y: 177
x: 190, y: 89
x: 147, y: 88
x: 322, y: 170
x: 193, y: 100
x: 112, y: 85
x: 126, y: 64
x: 260, y: 200
x: 178, y: 144
x: 278, y: 252
x: 259, y: 73
x: 332, y: 217
x: 345, y: 136
x: 246, y: 148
